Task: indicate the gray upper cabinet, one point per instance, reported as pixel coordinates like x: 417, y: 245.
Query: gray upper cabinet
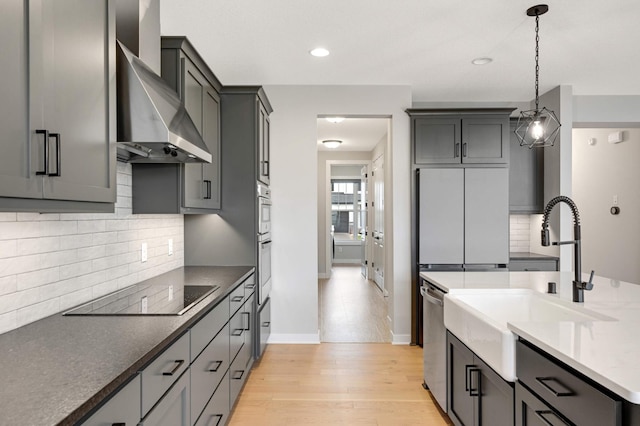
x: 58, y: 108
x: 185, y: 188
x: 264, y: 147
x: 467, y: 137
x: 526, y: 177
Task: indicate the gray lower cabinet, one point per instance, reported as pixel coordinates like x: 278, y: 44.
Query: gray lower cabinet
x: 264, y: 322
x: 471, y: 136
x: 58, y: 113
x: 477, y: 395
x: 185, y: 188
x: 533, y: 265
x: 526, y: 177
x: 555, y: 393
x: 122, y: 408
x: 463, y: 216
x: 173, y: 408
x: 216, y: 412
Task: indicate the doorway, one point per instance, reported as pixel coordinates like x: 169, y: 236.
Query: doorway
x: 352, y: 303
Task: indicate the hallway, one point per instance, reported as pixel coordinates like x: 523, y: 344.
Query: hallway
x: 351, y: 309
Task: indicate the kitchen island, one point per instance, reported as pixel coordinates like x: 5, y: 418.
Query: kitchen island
x: 57, y: 370
x: 604, y: 350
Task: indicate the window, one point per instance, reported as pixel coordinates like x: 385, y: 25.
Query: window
x: 347, y: 209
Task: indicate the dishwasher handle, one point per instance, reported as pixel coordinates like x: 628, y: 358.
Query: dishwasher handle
x: 424, y: 291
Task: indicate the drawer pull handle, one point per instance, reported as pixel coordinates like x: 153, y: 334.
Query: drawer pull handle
x: 564, y: 392
x: 476, y: 391
x: 178, y: 363
x: 250, y: 286
x: 237, y: 298
x: 266, y: 324
x: 118, y: 424
x: 217, y: 367
x: 213, y: 418
x: 237, y: 332
x: 237, y: 376
x: 542, y: 416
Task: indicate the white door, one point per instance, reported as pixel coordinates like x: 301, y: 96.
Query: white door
x: 363, y: 230
x: 377, y: 174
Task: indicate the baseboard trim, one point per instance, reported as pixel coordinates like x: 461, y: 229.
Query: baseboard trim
x: 400, y: 339
x: 294, y: 339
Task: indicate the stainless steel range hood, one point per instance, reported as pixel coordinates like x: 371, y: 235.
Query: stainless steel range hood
x: 153, y: 124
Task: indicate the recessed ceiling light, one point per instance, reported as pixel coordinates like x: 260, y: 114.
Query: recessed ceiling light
x: 319, y: 52
x: 332, y: 143
x: 482, y: 61
x: 334, y: 119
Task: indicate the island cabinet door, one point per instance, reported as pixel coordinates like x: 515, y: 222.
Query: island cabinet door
x: 495, y: 399
x: 461, y: 390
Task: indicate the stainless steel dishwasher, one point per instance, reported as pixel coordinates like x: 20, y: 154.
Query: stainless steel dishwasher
x: 434, y: 345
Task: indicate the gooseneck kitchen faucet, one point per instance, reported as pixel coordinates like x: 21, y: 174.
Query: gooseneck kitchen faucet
x: 579, y: 286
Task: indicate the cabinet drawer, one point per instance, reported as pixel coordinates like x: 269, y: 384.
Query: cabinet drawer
x: 205, y: 330
x: 173, y: 407
x: 236, y: 299
x: 158, y: 376
x: 207, y: 371
x: 265, y: 325
x: 533, y: 265
x: 249, y: 286
x: 238, y: 373
x: 123, y: 407
x: 532, y: 411
x: 237, y: 328
x: 217, y: 410
x: 578, y: 400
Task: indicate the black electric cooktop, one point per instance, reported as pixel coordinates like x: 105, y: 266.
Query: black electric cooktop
x: 146, y: 299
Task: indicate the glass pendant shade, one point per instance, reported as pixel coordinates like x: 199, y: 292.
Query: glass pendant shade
x: 537, y: 128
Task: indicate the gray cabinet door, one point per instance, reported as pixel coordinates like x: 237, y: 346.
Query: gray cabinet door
x: 217, y: 410
x: 462, y: 383
x: 22, y: 151
x: 531, y: 411
x: 211, y: 136
x: 441, y: 216
x: 526, y: 177
x: 70, y: 67
x: 485, y: 140
x: 264, y: 148
x: 173, y: 408
x: 437, y: 140
x: 486, y: 220
x: 265, y: 326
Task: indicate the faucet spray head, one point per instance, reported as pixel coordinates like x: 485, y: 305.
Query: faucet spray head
x: 545, y: 237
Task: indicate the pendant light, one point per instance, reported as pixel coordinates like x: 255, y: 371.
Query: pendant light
x: 537, y: 127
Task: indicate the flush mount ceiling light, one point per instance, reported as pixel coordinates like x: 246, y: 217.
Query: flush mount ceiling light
x: 319, y: 52
x: 332, y: 143
x: 537, y: 127
x: 482, y: 61
x: 334, y: 119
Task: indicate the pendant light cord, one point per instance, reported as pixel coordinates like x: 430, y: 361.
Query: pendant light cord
x: 537, y: 56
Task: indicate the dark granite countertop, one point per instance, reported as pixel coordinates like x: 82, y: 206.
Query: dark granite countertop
x: 530, y: 256
x: 56, y: 370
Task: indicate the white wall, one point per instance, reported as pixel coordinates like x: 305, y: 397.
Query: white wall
x: 294, y: 184
x: 52, y: 262
x: 610, y: 244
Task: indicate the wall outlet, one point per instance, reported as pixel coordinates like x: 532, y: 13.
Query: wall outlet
x: 170, y: 293
x: 170, y: 246
x: 143, y: 253
x: 144, y: 305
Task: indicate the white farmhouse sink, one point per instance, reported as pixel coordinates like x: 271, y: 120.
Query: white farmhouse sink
x: 479, y: 319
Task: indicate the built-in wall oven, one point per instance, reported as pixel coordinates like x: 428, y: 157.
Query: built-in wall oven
x: 264, y: 242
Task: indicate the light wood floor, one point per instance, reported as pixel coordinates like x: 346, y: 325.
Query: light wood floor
x: 352, y: 309
x: 337, y: 384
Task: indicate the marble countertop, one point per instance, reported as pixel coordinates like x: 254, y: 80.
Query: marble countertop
x: 606, y: 351
x: 56, y: 370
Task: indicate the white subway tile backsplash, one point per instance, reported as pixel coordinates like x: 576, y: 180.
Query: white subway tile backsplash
x: 52, y: 262
x: 519, y: 233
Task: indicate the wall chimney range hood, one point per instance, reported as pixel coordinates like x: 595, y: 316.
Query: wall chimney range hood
x: 153, y: 124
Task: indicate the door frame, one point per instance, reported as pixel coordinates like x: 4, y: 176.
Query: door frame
x: 327, y: 202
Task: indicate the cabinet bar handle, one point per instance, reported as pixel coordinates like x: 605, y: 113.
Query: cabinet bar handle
x: 178, y: 363
x: 248, y: 316
x: 215, y: 370
x: 457, y: 153
x: 237, y: 298
x: 265, y: 169
x: 543, y: 381
x: 118, y: 424
x: 56, y: 137
x: 207, y: 184
x: 464, y: 149
x: 466, y: 376
x: 46, y: 152
x: 236, y: 376
x: 542, y: 416
x: 237, y: 332
x: 212, y: 418
x: 476, y: 391
x: 266, y: 324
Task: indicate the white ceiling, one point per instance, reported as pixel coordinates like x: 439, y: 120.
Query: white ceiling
x: 356, y: 134
x: 591, y: 45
